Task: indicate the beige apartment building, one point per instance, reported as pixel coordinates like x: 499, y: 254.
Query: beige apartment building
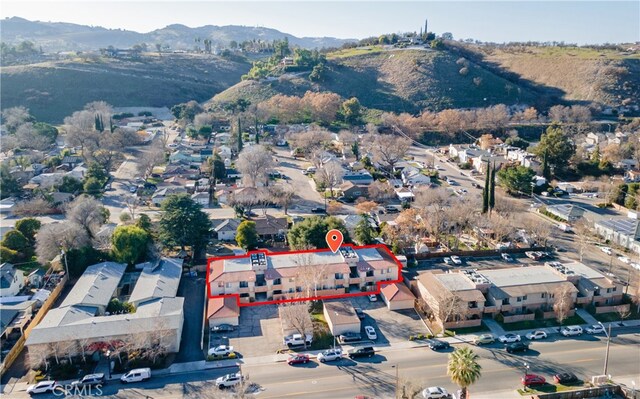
x: 263, y: 276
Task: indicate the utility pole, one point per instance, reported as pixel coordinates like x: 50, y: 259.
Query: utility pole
x: 606, y: 356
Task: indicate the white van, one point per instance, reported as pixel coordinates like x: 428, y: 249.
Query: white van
x: 136, y: 375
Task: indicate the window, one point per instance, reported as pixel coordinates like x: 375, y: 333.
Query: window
x: 614, y: 289
x: 505, y: 301
x: 370, y: 273
x: 518, y: 299
x: 221, y: 285
x: 228, y: 285
x: 339, y: 276
x: 244, y: 284
x: 524, y: 298
x: 389, y: 270
x: 543, y: 295
x: 277, y: 281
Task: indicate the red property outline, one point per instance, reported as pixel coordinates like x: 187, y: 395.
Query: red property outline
x: 279, y: 301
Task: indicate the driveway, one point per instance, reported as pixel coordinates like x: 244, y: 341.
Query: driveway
x: 259, y: 333
x: 391, y: 326
x: 192, y: 290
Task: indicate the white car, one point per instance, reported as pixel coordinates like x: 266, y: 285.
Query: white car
x: 595, y: 329
x: 606, y: 250
x: 133, y: 189
x: 229, y: 380
x: 456, y: 260
x: 221, y: 350
x: 373, y: 298
x: 447, y: 261
x: 330, y: 355
x: 43, y: 387
x: 435, y: 393
x: 571, y: 330
x: 624, y: 259
x: 371, y: 332
x: 538, y: 334
x: 509, y: 338
x: 635, y: 265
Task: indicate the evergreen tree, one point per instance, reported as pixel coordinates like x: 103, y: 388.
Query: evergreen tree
x: 257, y: 138
x: 355, y: 148
x: 485, y: 192
x: 492, y: 189
x: 545, y: 167
x: 364, y: 233
x: 239, y: 136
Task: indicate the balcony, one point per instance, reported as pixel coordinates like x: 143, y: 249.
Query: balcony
x: 491, y: 309
x: 262, y: 288
x: 582, y: 300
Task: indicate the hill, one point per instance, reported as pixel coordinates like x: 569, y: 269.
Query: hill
x: 53, y: 90
x: 400, y: 80
x: 601, y: 76
x: 59, y: 36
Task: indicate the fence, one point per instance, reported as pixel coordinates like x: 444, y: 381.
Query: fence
x: 19, y: 345
x: 479, y: 253
x: 608, y: 309
x: 519, y: 317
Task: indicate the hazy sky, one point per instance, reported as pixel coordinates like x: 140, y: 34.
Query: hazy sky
x: 570, y: 21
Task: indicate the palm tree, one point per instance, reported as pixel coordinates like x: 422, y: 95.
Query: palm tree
x: 463, y: 368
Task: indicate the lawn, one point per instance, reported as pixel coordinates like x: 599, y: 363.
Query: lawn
x: 322, y: 338
x: 533, y: 324
x: 615, y: 316
x: 550, y: 388
x: 470, y: 330
x: 354, y: 52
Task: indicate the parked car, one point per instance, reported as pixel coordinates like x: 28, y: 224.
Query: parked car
x: 391, y: 209
x: 222, y: 327
x: 136, y: 375
x: 624, y: 259
x: 476, y: 185
x: 484, y: 339
x: 571, y: 331
x: 533, y: 379
x: 360, y: 313
x: 89, y: 380
x: 330, y: 355
x: 508, y: 338
x: 373, y: 298
x: 318, y: 210
x: 371, y: 332
x: 447, y: 261
x: 229, y: 380
x: 133, y: 189
x: 221, y: 350
x: 349, y: 337
x: 297, y: 340
x: 298, y: 359
x: 606, y: 250
x: 453, y: 182
x: 517, y: 347
x: 595, y: 329
x: 506, y: 257
x: 436, y: 345
x: 365, y: 351
x: 456, y: 260
x: 43, y: 387
x: 538, y: 334
x: 435, y: 393
x: 565, y: 378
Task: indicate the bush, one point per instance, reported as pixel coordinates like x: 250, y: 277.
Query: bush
x: 499, y: 318
x: 591, y: 308
x: 539, y: 314
x: 449, y: 333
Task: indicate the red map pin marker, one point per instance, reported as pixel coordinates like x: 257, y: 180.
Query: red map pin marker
x: 334, y: 239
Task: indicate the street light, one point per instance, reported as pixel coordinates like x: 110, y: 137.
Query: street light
x: 524, y: 378
x: 109, y: 362
x: 606, y: 357
x: 397, y: 367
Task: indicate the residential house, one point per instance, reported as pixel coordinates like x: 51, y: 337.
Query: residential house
x: 353, y: 191
x: 412, y: 176
x: 269, y: 227
x: 226, y: 228
x: 341, y: 317
x: 14, y: 317
x: 260, y: 275
x: 627, y: 164
x: 622, y: 232
x: 404, y: 194
x: 162, y: 194
x: 71, y: 161
x: 47, y: 180
x: 201, y: 198
x: 11, y: 280
x: 398, y: 296
x: 566, y: 212
x: 81, y: 319
x: 233, y: 174
x: 351, y: 221
x: 361, y: 177
x: 7, y: 205
x: 223, y: 310
x: 59, y: 198
x: 632, y: 176
x: 224, y: 151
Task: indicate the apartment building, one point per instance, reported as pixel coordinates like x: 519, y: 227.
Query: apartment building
x: 263, y: 276
x: 516, y: 291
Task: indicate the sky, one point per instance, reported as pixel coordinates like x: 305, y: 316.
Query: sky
x: 582, y: 22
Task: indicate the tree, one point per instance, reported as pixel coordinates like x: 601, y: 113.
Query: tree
x: 389, y: 149
x: 247, y: 236
x: 296, y: 316
x: 432, y: 204
x: 88, y: 213
x: 463, y: 368
x: 364, y: 233
x: 350, y: 110
x: 312, y: 232
x: 366, y: 207
x: 15, y: 240
x: 129, y: 244
x: 556, y: 148
x: 183, y: 223
x: 92, y: 186
x: 56, y: 236
x: 151, y: 158
x: 144, y: 222
x: 282, y: 195
x: 563, y: 301
x: 518, y: 142
x: 8, y: 182
x: 71, y: 185
x: 516, y: 179
x: 28, y: 227
x: 540, y: 230
x: 255, y: 163
x: 330, y: 175
x: 381, y: 191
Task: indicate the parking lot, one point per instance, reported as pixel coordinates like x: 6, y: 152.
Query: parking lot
x: 490, y: 262
x: 259, y: 333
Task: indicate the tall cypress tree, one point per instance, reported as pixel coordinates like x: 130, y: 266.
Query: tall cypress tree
x: 239, y: 136
x: 485, y: 192
x: 492, y: 189
x: 545, y: 166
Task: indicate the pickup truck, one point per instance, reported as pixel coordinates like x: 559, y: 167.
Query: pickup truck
x: 297, y: 340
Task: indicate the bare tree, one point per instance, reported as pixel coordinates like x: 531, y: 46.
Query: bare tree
x: 583, y: 236
x: 131, y: 203
x: 38, y: 356
x: 13, y: 117
x: 460, y: 215
x: 433, y: 204
x: 330, y: 174
x: 381, y: 191
x: 389, y: 149
x: 635, y: 291
x: 563, y: 302
x: 540, y: 229
x: 28, y: 137
x: 309, y: 275
x: 296, y: 316
x: 334, y: 208
x: 282, y: 194
x: 623, y: 311
x: 51, y: 238
x: 150, y: 159
x: 448, y: 307
x: 255, y: 163
x: 366, y: 207
x: 34, y: 207
x: 86, y: 212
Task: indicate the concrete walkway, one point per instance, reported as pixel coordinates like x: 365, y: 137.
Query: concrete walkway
x: 586, y: 316
x: 494, y: 326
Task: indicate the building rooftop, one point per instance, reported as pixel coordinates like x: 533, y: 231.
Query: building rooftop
x: 223, y: 307
x: 96, y: 285
x: 623, y: 226
x: 455, y: 281
x: 397, y: 292
x: 341, y: 312
x: 522, y: 276
x: 159, y: 279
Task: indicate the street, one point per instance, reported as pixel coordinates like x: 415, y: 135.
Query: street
x: 501, y: 372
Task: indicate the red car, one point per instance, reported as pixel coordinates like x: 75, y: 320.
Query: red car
x: 297, y: 359
x: 533, y: 379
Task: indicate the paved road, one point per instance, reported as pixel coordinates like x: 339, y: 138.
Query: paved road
x: 501, y: 372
